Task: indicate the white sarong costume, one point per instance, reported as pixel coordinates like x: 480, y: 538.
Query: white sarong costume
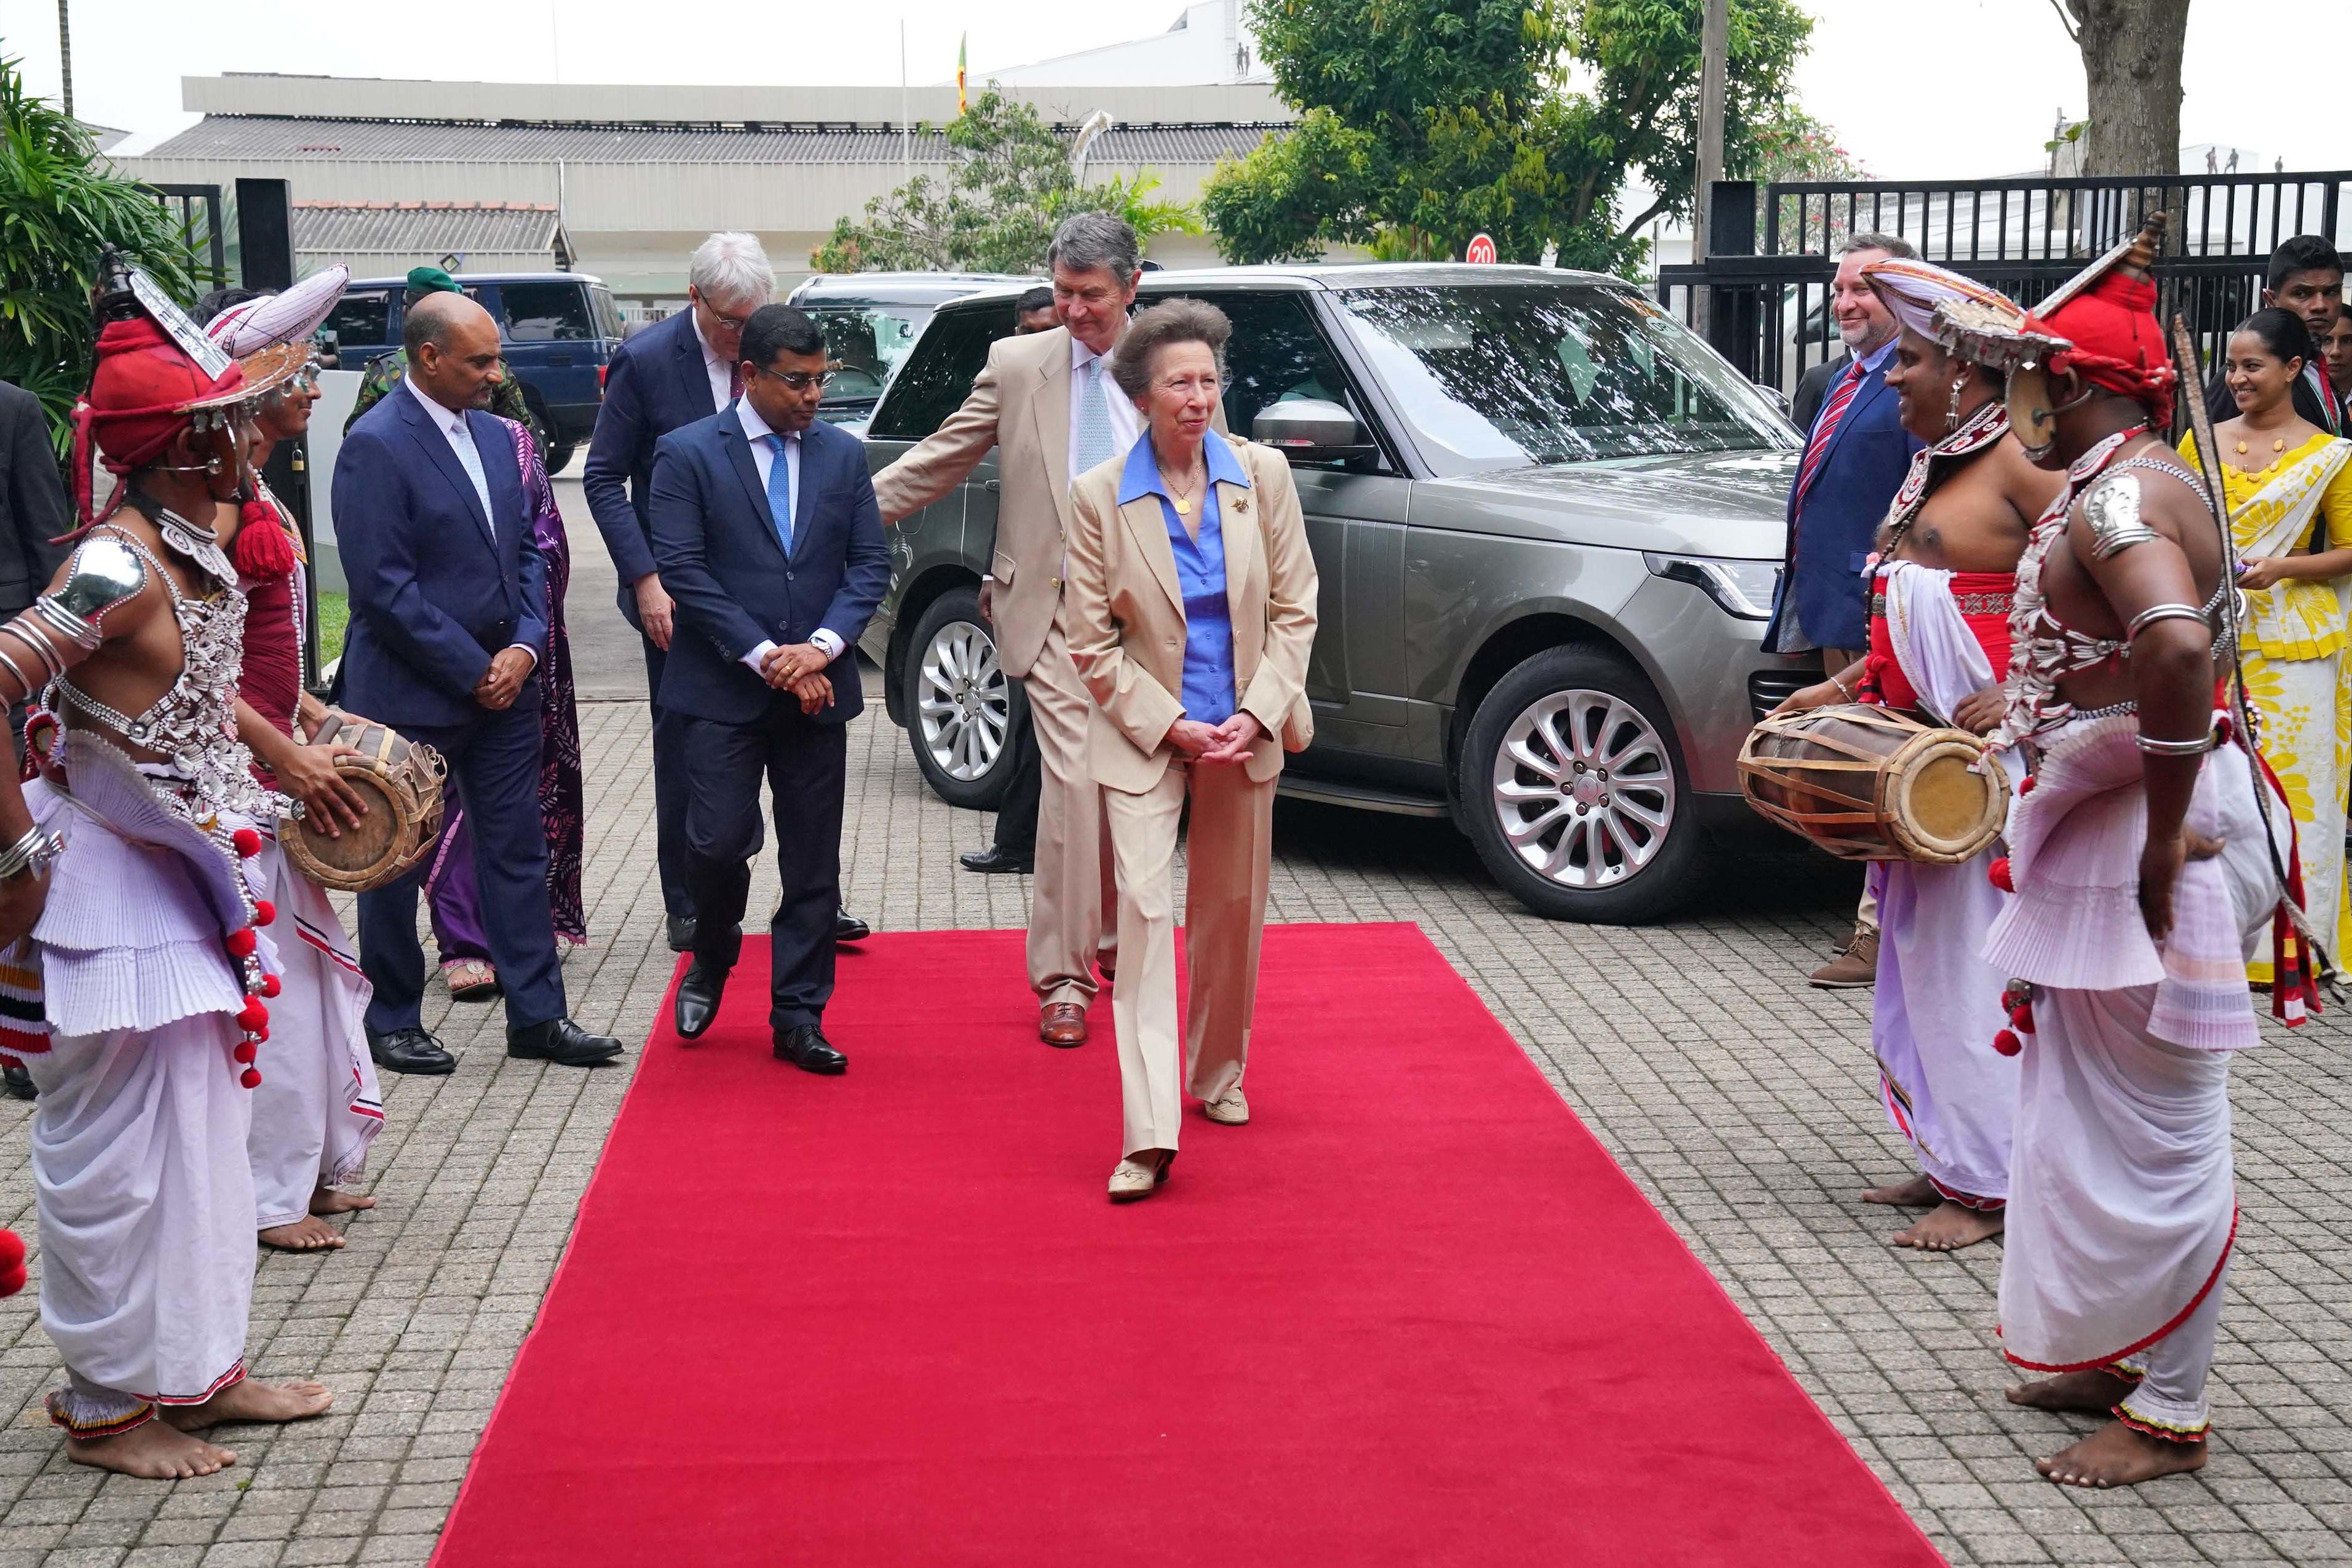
x: 2123, y: 1206
x: 142, y: 978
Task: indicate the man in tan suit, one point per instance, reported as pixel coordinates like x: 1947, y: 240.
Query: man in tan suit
x: 1047, y: 403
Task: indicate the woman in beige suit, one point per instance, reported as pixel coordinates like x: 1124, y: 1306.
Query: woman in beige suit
x: 1192, y: 609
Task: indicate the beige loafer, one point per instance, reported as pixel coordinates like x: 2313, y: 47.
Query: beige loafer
x: 1229, y: 1108
x: 1140, y: 1178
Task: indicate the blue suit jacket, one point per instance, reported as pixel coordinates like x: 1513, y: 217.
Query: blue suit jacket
x: 656, y: 384
x: 436, y: 591
x: 1830, y: 533
x: 721, y: 560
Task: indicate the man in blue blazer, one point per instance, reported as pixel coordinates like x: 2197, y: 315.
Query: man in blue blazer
x: 1856, y: 454
x: 448, y: 599
x: 674, y: 373
x: 768, y: 537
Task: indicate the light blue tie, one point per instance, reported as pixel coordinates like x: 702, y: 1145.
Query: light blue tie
x: 1093, y: 447
x: 470, y: 457
x: 779, y: 494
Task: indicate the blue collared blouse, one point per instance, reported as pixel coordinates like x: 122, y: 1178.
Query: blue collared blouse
x: 1208, y: 696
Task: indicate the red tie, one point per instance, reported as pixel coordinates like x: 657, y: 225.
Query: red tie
x: 1826, y: 427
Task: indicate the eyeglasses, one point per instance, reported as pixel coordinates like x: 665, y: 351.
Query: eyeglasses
x: 798, y: 380
x: 725, y: 323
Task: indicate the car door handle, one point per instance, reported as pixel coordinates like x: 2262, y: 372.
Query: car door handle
x: 558, y: 359
x: 991, y: 486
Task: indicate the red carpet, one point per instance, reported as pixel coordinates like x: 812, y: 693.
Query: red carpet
x: 1413, y: 1315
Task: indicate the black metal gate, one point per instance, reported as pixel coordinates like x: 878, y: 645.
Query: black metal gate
x: 197, y: 210
x: 1774, y: 248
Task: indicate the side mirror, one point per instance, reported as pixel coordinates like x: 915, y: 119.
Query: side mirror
x: 1311, y: 430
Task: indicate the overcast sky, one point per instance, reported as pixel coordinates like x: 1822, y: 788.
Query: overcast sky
x: 1872, y: 74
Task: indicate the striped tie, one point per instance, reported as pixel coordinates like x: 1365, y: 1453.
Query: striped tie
x: 1826, y: 427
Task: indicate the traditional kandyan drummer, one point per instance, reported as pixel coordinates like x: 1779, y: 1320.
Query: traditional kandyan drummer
x: 136, y: 999
x: 1938, y: 644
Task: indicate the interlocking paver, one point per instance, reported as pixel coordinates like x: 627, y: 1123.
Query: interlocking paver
x: 1741, y: 1101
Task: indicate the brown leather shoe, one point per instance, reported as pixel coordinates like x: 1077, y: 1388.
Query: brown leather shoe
x: 1856, y: 966
x: 1062, y: 1024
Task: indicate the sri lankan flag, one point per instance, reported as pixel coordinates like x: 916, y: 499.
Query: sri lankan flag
x: 962, y: 102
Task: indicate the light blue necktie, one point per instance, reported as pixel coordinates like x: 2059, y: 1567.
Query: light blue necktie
x: 779, y: 494
x: 470, y: 457
x: 1093, y: 446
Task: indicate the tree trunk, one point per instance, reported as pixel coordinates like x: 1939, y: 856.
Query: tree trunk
x: 2131, y: 59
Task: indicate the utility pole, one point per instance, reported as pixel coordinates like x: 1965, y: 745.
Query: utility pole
x: 1715, y: 50
x: 65, y: 52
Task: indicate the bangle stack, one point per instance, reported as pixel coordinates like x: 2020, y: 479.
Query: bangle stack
x: 31, y: 855
x: 1843, y: 689
x: 2155, y: 747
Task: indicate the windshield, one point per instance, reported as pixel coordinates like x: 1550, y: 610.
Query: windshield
x: 1501, y: 375
x: 867, y: 343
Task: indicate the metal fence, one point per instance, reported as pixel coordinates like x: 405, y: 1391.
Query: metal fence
x: 1773, y: 248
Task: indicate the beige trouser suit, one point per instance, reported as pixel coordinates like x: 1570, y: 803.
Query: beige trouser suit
x: 1126, y: 617
x: 1020, y: 405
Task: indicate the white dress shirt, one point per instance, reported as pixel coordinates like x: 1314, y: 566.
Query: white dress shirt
x: 460, y: 436
x: 1126, y: 423
x: 721, y: 373
x: 763, y: 457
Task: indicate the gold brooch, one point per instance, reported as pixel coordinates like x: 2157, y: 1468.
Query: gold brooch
x: 1241, y: 505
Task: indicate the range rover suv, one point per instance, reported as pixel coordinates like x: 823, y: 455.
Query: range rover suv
x: 1548, y: 519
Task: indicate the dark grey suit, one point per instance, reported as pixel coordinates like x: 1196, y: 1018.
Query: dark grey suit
x: 33, y: 509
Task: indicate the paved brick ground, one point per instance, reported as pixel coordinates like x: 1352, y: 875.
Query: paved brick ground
x: 1741, y: 1101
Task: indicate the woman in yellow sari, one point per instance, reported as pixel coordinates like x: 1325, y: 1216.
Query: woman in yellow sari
x: 2289, y: 489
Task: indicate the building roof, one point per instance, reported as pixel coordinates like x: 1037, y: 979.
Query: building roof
x: 370, y: 236
x: 218, y: 138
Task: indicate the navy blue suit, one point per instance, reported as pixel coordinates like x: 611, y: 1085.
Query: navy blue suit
x: 1833, y: 525
x: 722, y: 560
x: 436, y: 591
x: 658, y: 384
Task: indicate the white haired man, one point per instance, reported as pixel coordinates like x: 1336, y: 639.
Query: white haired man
x: 676, y: 372
x: 1047, y: 403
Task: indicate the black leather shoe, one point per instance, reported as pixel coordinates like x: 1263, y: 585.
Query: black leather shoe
x: 681, y: 933
x: 698, y: 989
x: 411, y: 1051
x: 809, y: 1051
x: 848, y: 927
x: 19, y: 1083
x: 562, y: 1042
x: 992, y: 861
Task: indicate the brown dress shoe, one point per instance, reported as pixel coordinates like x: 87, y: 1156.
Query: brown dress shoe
x: 1062, y: 1024
x: 1856, y: 966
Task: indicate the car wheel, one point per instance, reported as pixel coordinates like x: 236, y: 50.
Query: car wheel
x: 558, y: 458
x: 1575, y: 795
x: 959, y: 703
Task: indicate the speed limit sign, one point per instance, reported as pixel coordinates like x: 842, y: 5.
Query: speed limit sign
x: 1482, y: 250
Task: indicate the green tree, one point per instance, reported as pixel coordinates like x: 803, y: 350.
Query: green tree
x: 1425, y: 121
x: 57, y: 209
x: 1010, y: 184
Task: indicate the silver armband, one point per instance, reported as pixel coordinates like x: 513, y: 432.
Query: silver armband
x: 2112, y: 510
x: 31, y: 855
x: 2196, y: 748
x: 104, y: 572
x: 2155, y: 612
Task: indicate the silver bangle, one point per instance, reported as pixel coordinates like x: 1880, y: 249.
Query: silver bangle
x: 27, y: 689
x: 1843, y: 689
x: 31, y: 855
x: 2155, y: 612
x: 2155, y: 747
x: 34, y: 636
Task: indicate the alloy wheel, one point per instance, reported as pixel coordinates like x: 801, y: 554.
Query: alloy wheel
x: 1583, y: 789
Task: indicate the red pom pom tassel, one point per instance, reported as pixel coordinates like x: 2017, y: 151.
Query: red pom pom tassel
x: 12, y: 1251
x: 241, y: 943
x: 1999, y: 873
x: 12, y: 1281
x: 247, y: 842
x: 2021, y: 1019
x: 262, y: 548
x: 264, y: 912
x: 270, y: 986
x: 255, y: 1017
x: 2025, y: 785
x: 2007, y: 1043
x: 250, y: 1078
x: 245, y: 1051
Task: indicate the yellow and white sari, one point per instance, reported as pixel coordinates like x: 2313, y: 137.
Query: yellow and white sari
x: 2294, y: 636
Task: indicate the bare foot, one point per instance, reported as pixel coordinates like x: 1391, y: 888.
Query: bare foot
x: 1949, y: 1227
x: 2094, y: 1392
x: 1915, y: 1194
x: 2116, y: 1455
x: 249, y: 1399
x: 308, y: 1234
x: 151, y: 1450
x: 327, y: 1200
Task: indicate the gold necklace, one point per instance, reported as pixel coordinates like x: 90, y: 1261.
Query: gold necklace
x: 1184, y: 501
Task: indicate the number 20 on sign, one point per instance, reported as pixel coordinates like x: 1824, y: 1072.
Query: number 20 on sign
x: 1481, y: 251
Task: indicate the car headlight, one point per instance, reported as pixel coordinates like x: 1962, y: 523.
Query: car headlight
x: 1744, y: 588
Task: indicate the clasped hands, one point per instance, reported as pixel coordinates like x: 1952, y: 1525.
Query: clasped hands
x: 800, y: 668
x: 1227, y: 743
x: 502, y: 682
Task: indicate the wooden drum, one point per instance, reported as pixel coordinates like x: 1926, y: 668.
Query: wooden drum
x: 401, y: 781
x: 1867, y: 784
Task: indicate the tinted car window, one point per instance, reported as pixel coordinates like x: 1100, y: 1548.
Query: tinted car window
x: 1276, y: 352
x: 608, y: 314
x: 362, y: 321
x: 868, y: 343
x: 547, y: 313
x: 937, y: 377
